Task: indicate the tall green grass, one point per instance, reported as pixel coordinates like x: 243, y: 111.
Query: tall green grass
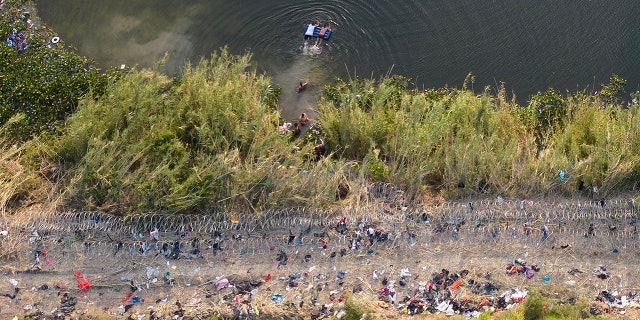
x: 460, y: 143
x: 204, y: 141
x: 23, y: 182
x: 207, y: 140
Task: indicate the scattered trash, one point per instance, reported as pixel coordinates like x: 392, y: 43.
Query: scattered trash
x: 152, y: 272
x: 67, y: 303
x: 455, y: 285
x: 153, y: 235
x: 276, y: 298
x: 545, y: 233
x: 520, y: 267
x: 601, y: 273
x: 83, y: 284
x: 121, y: 311
x: 561, y: 175
x: 573, y: 272
x: 615, y: 300
x: 443, y: 292
x: 222, y: 283
x: 282, y: 258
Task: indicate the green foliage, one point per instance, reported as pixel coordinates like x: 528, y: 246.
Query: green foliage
x: 375, y: 168
x: 485, y: 316
x: 546, y: 113
x: 533, y: 307
x: 609, y: 92
x: 536, y: 306
x: 600, y: 146
x: 430, y: 137
x: 359, y: 114
x: 206, y: 140
x: 460, y: 143
x: 353, y: 310
x: 43, y: 84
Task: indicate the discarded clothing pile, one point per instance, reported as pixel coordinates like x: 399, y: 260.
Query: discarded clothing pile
x: 366, y: 234
x: 520, y: 267
x: 436, y: 296
x: 615, y: 300
x: 601, y: 273
x: 17, y: 41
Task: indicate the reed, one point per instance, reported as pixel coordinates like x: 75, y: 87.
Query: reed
x: 204, y: 141
x: 460, y: 143
x: 207, y: 141
x: 599, y: 147
x: 25, y: 178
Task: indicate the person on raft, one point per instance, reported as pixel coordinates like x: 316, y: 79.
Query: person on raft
x: 308, y: 32
x: 321, y: 34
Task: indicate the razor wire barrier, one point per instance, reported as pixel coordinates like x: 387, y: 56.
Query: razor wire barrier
x: 297, y: 218
x: 431, y: 233
x: 610, y: 224
x: 393, y: 209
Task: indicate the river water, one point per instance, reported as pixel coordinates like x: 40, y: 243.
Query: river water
x: 529, y: 45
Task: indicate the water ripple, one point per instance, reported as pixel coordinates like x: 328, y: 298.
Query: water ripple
x: 530, y: 45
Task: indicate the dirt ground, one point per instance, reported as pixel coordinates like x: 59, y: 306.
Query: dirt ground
x: 315, y: 282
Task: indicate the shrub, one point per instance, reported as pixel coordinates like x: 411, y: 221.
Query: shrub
x: 546, y: 113
x: 609, y: 92
x: 207, y: 140
x: 43, y: 84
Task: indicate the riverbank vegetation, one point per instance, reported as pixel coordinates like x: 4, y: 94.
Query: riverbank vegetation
x: 131, y: 141
x: 459, y: 142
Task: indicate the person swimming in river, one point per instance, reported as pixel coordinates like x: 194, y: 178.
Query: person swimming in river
x: 303, y: 119
x: 323, y: 31
x: 296, y: 130
x: 303, y: 85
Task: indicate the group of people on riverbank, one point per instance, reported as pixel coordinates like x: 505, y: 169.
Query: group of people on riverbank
x: 295, y: 127
x: 312, y: 30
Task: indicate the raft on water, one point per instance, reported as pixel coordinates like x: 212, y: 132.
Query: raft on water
x: 316, y: 33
